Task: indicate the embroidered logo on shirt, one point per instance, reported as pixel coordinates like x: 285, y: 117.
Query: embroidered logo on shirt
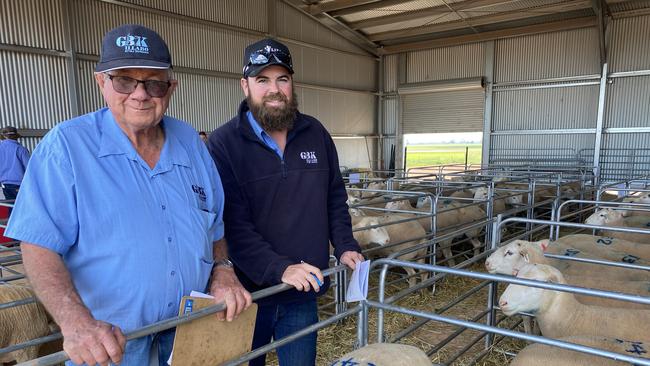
x: 200, y: 191
x: 309, y: 157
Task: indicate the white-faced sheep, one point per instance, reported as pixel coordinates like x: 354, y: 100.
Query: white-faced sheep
x: 641, y: 198
x: 21, y: 323
x: 410, y: 233
x: 385, y: 354
x: 511, y: 258
x: 543, y: 355
x: 449, y: 216
x: 499, y: 202
x: 559, y: 314
x: 614, y: 218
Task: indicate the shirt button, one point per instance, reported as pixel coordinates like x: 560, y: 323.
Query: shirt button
x: 164, y: 207
x: 169, y: 239
x: 173, y: 273
x: 169, y: 305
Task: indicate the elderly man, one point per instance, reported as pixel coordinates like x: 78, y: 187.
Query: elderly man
x: 120, y: 212
x: 285, y: 200
x: 13, y: 162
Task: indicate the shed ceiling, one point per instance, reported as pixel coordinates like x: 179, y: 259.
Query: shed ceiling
x: 393, y: 26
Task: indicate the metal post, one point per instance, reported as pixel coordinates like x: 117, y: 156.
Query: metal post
x: 487, y: 114
x: 492, y: 288
x: 599, y: 123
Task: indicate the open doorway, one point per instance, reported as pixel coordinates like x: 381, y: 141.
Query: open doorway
x: 435, y: 149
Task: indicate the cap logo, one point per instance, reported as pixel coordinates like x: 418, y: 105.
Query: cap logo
x: 133, y: 44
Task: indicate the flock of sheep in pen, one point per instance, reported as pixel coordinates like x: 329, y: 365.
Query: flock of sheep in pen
x: 598, y: 322
x: 389, y: 221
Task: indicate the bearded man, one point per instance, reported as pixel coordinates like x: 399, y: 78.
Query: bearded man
x: 285, y: 201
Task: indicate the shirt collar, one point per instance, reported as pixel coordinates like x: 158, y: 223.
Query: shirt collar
x: 257, y: 129
x: 115, y: 142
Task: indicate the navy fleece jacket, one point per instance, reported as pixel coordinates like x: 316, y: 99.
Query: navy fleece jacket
x: 277, y: 211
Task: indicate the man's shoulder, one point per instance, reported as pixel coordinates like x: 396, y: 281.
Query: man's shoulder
x: 180, y: 128
x: 227, y: 129
x: 77, y: 127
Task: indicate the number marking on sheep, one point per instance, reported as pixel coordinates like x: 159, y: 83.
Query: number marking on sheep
x: 630, y: 258
x: 351, y: 362
x: 571, y: 252
x: 637, y: 347
x: 605, y: 241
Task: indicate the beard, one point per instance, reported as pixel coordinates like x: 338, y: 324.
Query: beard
x: 272, y: 118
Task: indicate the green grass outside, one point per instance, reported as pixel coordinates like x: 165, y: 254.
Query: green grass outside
x: 438, y: 154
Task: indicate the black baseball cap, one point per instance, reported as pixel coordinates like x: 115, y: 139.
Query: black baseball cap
x: 9, y: 132
x: 133, y: 46
x: 264, y: 53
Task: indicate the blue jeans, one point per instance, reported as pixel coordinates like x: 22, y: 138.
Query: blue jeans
x: 10, y: 191
x: 279, y: 321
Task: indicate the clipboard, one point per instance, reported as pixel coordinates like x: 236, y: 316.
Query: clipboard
x: 208, y: 341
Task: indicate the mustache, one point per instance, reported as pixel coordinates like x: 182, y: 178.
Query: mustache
x: 276, y: 97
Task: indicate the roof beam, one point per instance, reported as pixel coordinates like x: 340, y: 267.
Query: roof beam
x: 319, y: 8
x: 369, y: 6
x: 423, y: 13
x: 478, y: 21
x: 486, y: 36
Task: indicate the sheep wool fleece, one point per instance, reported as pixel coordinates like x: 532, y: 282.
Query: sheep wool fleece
x: 281, y: 210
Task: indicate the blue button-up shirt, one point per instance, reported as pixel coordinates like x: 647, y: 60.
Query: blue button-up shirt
x: 13, y: 161
x: 134, y: 239
x: 262, y: 135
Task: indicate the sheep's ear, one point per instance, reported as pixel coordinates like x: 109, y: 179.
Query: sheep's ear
x: 524, y: 253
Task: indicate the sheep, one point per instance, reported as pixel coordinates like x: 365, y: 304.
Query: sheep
x: 559, y: 314
x: 543, y: 355
x: 373, y: 186
x: 450, y: 214
x: 499, y: 204
x: 614, y: 218
x: 641, y: 198
x: 385, y: 354
x: 510, y: 258
x: 21, y: 323
x: 392, y: 234
x: 600, y: 245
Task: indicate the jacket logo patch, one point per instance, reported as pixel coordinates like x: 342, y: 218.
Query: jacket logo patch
x: 309, y: 157
x: 200, y: 191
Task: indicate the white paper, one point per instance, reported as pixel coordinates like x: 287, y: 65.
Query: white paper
x: 201, y: 295
x: 358, y: 287
x: 354, y: 177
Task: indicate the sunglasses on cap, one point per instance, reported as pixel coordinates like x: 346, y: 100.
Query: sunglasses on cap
x: 127, y: 85
x: 263, y: 57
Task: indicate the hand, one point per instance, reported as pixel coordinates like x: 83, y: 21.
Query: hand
x: 89, y: 341
x: 225, y: 287
x: 351, y: 258
x: 303, y: 277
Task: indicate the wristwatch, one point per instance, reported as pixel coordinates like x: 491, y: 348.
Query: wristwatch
x: 223, y: 263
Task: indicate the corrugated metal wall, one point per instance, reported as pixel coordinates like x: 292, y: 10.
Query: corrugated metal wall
x: 626, y: 142
x: 545, y: 82
x: 452, y: 111
x: 390, y: 108
x: 337, y: 80
x: 446, y: 63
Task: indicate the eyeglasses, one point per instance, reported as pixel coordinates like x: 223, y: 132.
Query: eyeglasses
x: 127, y: 85
x: 264, y: 55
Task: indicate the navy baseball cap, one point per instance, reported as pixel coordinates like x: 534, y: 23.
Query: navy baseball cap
x: 264, y: 53
x: 133, y: 46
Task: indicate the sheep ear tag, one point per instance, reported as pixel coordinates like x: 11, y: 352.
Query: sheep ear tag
x: 544, y: 245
